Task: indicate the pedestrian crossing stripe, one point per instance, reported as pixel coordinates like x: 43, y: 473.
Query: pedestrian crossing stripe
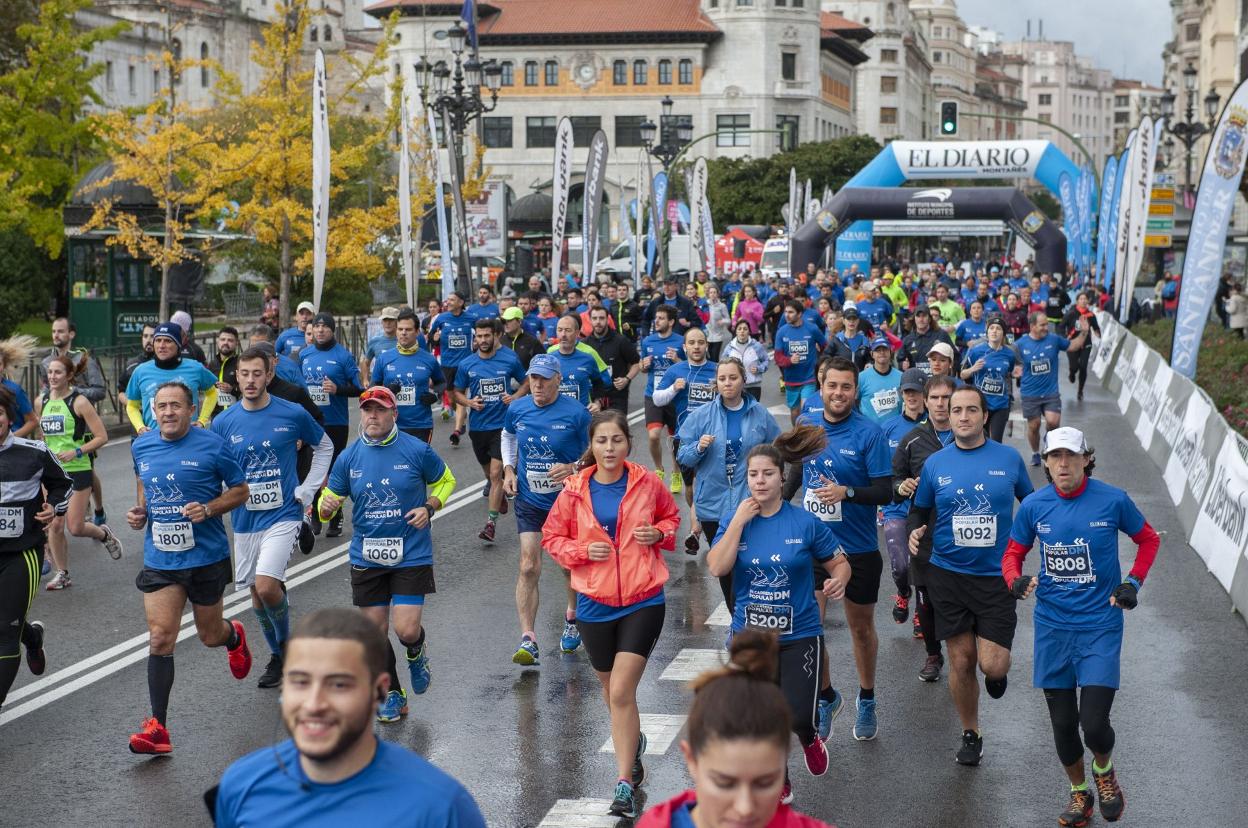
x: 720, y: 617
x: 660, y: 729
x: 579, y: 813
x: 690, y: 663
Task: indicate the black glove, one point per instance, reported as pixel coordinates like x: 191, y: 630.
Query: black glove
x: 1019, y: 588
x: 395, y: 387
x: 1126, y: 595
x: 428, y: 398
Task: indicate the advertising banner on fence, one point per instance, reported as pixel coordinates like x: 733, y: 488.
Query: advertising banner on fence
x: 1111, y: 338
x: 1220, y: 529
x: 1196, y: 440
x: 1121, y: 375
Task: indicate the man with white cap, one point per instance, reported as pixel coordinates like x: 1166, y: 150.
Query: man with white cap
x: 189, y: 347
x: 1080, y: 594
x: 387, y: 340
x: 291, y: 340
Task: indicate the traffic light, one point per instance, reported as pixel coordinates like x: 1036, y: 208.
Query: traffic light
x: 948, y: 117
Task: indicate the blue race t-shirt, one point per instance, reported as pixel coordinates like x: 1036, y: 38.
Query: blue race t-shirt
x: 879, y: 395
x: 876, y: 311
x: 290, y: 342
x: 1078, y: 552
x: 1039, y: 359
x: 385, y: 482
x: 23, y: 402
x: 579, y: 373
x: 488, y: 380
x: 969, y: 330
x: 479, y: 311
x: 148, y: 376
x: 269, y: 787
x: 857, y: 451
x: 699, y: 387
x: 192, y: 469
x: 973, y: 492
x: 289, y: 370
x: 414, y: 372
x: 338, y: 366
x: 801, y: 345
x: 378, y: 345
x: 773, y: 577
x: 895, y: 428
x: 656, y: 347
x: 265, y: 444
x: 605, y: 499
x: 994, y: 378
x: 732, y: 439
x: 456, y: 336
x: 545, y: 436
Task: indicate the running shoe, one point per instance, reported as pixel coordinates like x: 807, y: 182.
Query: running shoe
x: 504, y: 507
x: 393, y: 708
x: 677, y: 483
x: 972, y: 749
x: 623, y: 805
x: 571, y: 638
x: 99, y: 518
x: 59, y: 581
x: 418, y: 667
x: 151, y: 738
x: 639, y: 770
x: 1109, y: 792
x: 36, y: 658
x: 446, y: 414
x: 335, y: 529
x: 272, y: 675
x: 1079, y: 812
x: 487, y: 532
x: 786, y: 793
x: 816, y: 754
x: 828, y: 711
x: 240, y: 656
x: 867, y: 725
x: 692, y: 545
x: 931, y: 668
x: 918, y: 628
x: 455, y: 434
x: 659, y: 473
x: 485, y: 492
x: 901, y: 608
x: 527, y: 652
x: 307, y: 537
x: 996, y: 687
x: 111, y: 543
x: 1035, y: 458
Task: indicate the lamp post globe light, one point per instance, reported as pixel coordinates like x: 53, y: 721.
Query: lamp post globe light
x: 1189, y: 130
x: 456, y: 92
x: 672, y: 134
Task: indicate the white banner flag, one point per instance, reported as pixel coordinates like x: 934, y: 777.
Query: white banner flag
x: 1140, y: 178
x: 439, y: 208
x: 320, y: 178
x: 561, y: 183
x: 405, y: 202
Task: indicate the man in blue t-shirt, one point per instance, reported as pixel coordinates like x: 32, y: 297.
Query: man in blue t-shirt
x: 879, y: 395
x: 485, y: 307
x: 396, y: 483
x: 412, y: 375
x: 1037, y: 356
x: 186, y: 556
x: 798, y: 345
x: 485, y: 384
x: 332, y: 377
x: 167, y: 365
x: 291, y: 341
x: 452, y: 330
x: 960, y: 521
x: 660, y: 351
x: 686, y: 386
x: 336, y: 678
x: 387, y: 340
x: 544, y: 435
x: 584, y: 377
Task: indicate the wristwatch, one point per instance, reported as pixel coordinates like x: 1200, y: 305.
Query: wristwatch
x: 849, y: 492
x: 207, y: 511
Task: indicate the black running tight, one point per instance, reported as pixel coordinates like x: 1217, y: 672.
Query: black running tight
x: 1079, y: 365
x: 1091, y: 712
x: 997, y: 421
x: 800, y: 670
x: 19, y: 581
x: 927, y: 620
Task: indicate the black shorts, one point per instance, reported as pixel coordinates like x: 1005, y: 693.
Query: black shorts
x: 425, y: 434
x: 81, y: 479
x: 980, y: 604
x: 636, y: 632
x: 379, y: 586
x: 864, y: 577
x: 487, y: 445
x: 204, y: 585
x: 448, y: 374
x: 660, y: 415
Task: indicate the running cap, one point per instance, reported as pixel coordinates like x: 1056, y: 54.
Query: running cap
x: 880, y: 342
x: 169, y: 330
x: 389, y: 313
x: 913, y: 379
x: 850, y: 311
x: 182, y: 319
x: 379, y: 394
x: 1067, y: 438
x: 545, y: 366
x: 308, y: 306
x: 513, y: 313
x: 941, y: 348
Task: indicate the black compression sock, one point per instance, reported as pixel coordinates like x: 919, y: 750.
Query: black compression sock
x: 393, y: 668
x: 8, y: 672
x: 827, y: 694
x: 413, y: 649
x: 159, y: 684
x: 863, y: 693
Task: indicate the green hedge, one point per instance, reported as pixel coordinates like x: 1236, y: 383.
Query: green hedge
x: 1221, y: 370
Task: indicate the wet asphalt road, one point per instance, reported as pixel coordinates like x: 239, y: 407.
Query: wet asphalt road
x: 522, y: 740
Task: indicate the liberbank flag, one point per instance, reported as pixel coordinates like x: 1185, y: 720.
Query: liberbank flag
x: 1219, y: 181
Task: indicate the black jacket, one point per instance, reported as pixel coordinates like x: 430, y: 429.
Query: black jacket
x: 618, y: 352
x: 912, y: 452
x: 628, y: 318
x: 525, y: 345
x: 914, y: 348
x: 27, y: 467
x: 684, y: 310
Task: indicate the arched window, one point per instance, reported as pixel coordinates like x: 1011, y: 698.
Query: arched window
x: 314, y: 33
x: 530, y: 74
x: 205, y: 78
x: 619, y: 73
x: 641, y: 73
x: 329, y: 33
x: 665, y: 71
x: 552, y: 73
x: 509, y: 73
x: 686, y: 71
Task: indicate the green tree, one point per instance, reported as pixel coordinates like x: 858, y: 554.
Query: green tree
x: 24, y: 288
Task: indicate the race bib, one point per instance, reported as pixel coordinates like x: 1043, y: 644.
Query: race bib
x: 769, y: 618
x: 225, y: 399
x: 992, y: 386
x: 492, y: 389
x: 798, y: 351
x: 173, y: 537
x: 700, y: 394
x: 658, y: 375
x: 884, y: 401
x: 570, y: 389
x: 540, y: 483
x: 382, y: 551
x: 1069, y: 563
x: 319, y: 395
x: 406, y: 395
x: 975, y: 530
x: 457, y: 341
x: 1039, y: 366
x: 264, y: 495
x: 53, y: 425
x: 12, y: 521
x: 829, y: 513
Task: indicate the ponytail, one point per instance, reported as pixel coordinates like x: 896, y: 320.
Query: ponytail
x: 741, y: 701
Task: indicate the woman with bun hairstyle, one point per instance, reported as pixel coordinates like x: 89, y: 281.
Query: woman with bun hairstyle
x: 771, y: 548
x: 737, y: 747
x: 608, y: 528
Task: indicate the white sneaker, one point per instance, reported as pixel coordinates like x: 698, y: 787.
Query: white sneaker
x: 111, y: 543
x: 59, y: 581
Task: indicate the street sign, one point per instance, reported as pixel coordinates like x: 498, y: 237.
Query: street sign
x: 1164, y: 180
x: 1164, y: 208
x: 1163, y: 194
x: 1160, y: 225
x: 1159, y: 240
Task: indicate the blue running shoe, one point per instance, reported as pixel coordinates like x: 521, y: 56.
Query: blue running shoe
x: 527, y: 653
x: 866, y: 726
x: 828, y: 711
x: 571, y: 638
x: 418, y: 667
x: 623, y: 805
x: 394, y: 707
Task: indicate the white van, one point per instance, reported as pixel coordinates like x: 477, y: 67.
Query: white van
x: 619, y: 262
x: 775, y: 261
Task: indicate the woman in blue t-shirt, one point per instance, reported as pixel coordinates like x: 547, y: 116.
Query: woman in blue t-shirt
x: 990, y: 365
x: 771, y: 549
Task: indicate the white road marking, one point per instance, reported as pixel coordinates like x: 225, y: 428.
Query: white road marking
x: 579, y: 813
x: 720, y: 617
x: 690, y: 663
x: 660, y: 729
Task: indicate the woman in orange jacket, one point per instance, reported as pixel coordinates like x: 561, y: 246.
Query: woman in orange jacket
x: 608, y: 528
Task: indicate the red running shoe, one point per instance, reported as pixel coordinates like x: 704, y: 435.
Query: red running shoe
x: 240, y: 656
x: 153, y: 738
x: 487, y: 532
x: 901, y: 608
x: 918, y: 628
x: 816, y: 757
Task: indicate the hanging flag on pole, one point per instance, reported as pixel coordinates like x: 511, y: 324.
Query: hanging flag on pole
x: 405, y: 202
x: 638, y: 221
x: 469, y: 15
x: 320, y: 178
x: 1108, y: 183
x: 439, y: 208
x: 562, y: 184
x: 595, y: 178
x: 1115, y: 220
x: 1140, y: 178
x: 658, y: 206
x: 459, y: 219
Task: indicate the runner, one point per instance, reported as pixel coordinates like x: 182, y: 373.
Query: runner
x: 798, y: 344
x: 843, y: 484
x: 334, y: 770
x: 412, y: 375
x: 915, y: 346
x: 752, y: 355
x: 940, y: 361
x: 990, y: 365
x: 608, y: 528
x: 186, y: 555
x: 396, y: 483
x: 1037, y: 356
x: 851, y: 342
x: 265, y: 433
x: 284, y: 367
x: 1078, y: 360
x: 385, y: 341
x: 452, y: 330
x: 222, y: 364
x: 331, y: 375
x: 28, y: 471
x: 145, y: 354
x: 687, y: 386
x: 713, y: 440
x: 619, y: 353
x: 584, y: 376
x: 291, y: 341
x: 486, y: 383
x: 485, y: 307
x: 168, y: 365
x: 772, y: 549
x: 518, y: 337
x: 1080, y: 593
x: 912, y: 413
x: 659, y: 352
x: 963, y: 505
x: 65, y: 419
x: 544, y: 434
x: 879, y: 395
